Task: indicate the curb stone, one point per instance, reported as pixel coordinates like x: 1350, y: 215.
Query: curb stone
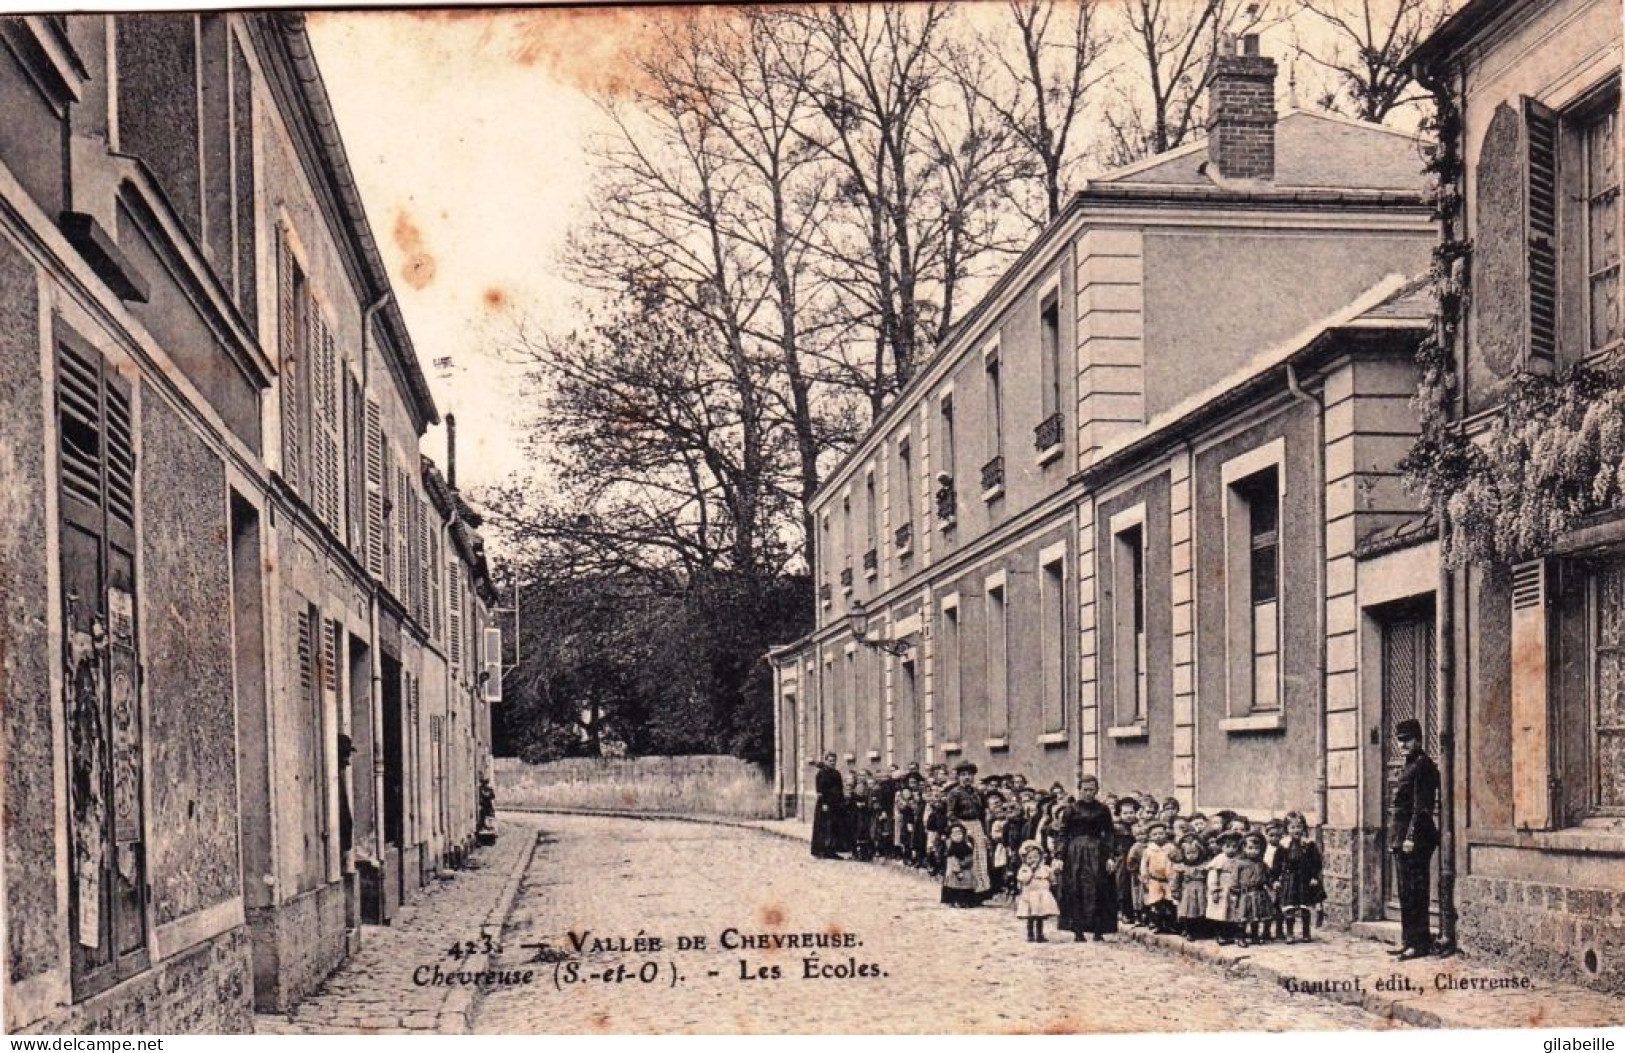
x: 456, y: 1014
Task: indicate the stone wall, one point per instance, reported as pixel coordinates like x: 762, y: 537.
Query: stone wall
x: 297, y: 945
x: 32, y: 910
x: 204, y: 990
x: 1576, y: 935
x: 192, y: 744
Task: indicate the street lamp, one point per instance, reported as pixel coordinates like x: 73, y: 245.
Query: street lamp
x: 857, y: 619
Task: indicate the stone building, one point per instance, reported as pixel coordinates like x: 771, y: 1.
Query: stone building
x: 1112, y: 525
x: 224, y: 556
x: 1535, y: 700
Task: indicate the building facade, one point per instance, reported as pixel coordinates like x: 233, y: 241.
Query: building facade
x: 1536, y: 703
x: 227, y: 564
x: 1116, y: 518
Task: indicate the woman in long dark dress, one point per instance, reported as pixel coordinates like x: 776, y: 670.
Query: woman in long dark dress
x: 830, y: 812
x: 1087, y: 894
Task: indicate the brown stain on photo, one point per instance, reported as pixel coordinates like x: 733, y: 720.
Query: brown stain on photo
x: 418, y: 271
x: 495, y: 298
x: 600, y: 51
x: 773, y: 916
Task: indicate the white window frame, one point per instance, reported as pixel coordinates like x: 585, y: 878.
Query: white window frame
x: 1241, y: 712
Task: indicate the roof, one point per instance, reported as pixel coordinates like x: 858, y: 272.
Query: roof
x: 1313, y: 150
x: 1458, y: 29
x: 286, y: 29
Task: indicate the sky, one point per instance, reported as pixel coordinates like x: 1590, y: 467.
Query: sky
x: 468, y: 130
x: 467, y: 133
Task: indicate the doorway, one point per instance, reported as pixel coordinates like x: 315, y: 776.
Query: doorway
x: 1409, y: 692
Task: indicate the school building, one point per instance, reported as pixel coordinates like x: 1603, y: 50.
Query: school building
x: 226, y: 562
x: 1122, y: 522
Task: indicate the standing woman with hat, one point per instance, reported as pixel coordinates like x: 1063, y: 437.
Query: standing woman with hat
x: 964, y: 806
x: 1084, y: 838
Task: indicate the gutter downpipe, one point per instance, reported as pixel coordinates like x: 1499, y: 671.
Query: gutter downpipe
x: 1445, y: 613
x: 1299, y: 394
x: 377, y: 658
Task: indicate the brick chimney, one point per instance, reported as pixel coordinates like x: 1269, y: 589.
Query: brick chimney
x: 1241, y: 112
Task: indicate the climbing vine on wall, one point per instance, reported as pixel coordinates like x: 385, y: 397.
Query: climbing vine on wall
x: 1552, y: 455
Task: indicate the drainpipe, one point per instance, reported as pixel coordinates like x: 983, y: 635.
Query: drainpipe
x: 380, y: 853
x: 1445, y: 614
x: 1305, y: 397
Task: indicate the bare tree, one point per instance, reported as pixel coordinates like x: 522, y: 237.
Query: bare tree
x: 1041, y: 75
x: 1175, y: 44
x: 1363, y: 47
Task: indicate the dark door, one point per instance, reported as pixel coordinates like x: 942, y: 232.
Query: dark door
x: 913, y: 749
x: 394, y: 756
x: 1409, y: 692
x: 107, y: 865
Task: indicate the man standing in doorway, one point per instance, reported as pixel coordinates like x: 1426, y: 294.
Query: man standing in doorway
x: 1416, y: 796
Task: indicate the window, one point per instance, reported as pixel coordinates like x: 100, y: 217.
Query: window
x: 1052, y: 597
x: 107, y: 885
x: 871, y: 514
x: 997, y: 665
x: 995, y: 409
x: 1600, y: 144
x: 993, y: 470
x: 1263, y: 557
x: 1049, y: 330
x: 1129, y: 608
x: 905, y: 492
x: 953, y: 714
x: 1607, y: 717
x: 947, y: 494
x: 1253, y: 493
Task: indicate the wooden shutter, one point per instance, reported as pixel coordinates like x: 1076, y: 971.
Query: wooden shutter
x: 1540, y: 220
x: 493, y: 665
x: 292, y: 369
x: 332, y: 487
x: 1531, y: 745
x: 374, y: 454
x: 455, y: 627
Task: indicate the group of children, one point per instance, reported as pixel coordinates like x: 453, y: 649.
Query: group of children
x: 1222, y: 876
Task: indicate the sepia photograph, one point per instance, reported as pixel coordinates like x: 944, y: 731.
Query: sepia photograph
x: 1014, y: 517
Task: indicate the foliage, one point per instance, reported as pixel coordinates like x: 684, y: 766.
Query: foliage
x: 1554, y: 451
x: 1364, y: 48
x: 1554, y: 454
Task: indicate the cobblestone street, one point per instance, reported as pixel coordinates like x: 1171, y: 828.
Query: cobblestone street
x: 942, y: 969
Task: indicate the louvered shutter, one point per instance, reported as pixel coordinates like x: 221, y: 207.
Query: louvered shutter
x: 422, y: 562
x: 332, y: 488
x: 1540, y: 219
x: 1531, y: 748
x: 374, y: 454
x: 292, y: 369
x: 455, y: 627
x: 493, y: 665
x: 306, y: 654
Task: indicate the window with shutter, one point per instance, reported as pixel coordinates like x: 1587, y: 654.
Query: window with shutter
x: 1607, y: 738
x: 102, y: 685
x: 332, y: 489
x: 493, y: 665
x: 1600, y: 144
x: 455, y: 623
x: 1531, y: 751
x: 290, y: 298
x: 374, y: 454
x: 1540, y: 217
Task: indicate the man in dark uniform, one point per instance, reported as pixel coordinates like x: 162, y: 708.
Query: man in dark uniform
x: 1415, y: 836
x: 830, y: 812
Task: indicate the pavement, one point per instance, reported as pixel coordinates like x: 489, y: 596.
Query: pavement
x: 375, y: 993
x: 1461, y: 991
x: 887, y: 957
x: 575, y: 900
